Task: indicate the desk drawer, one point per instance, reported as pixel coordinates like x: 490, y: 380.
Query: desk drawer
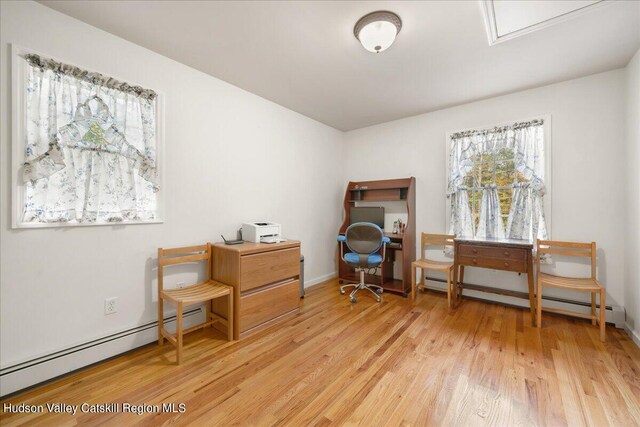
x: 268, y: 267
x: 489, y: 252
x: 262, y: 306
x: 495, y: 263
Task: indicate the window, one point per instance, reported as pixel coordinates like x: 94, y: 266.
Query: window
x: 493, y: 167
x: 497, y: 182
x: 88, y: 147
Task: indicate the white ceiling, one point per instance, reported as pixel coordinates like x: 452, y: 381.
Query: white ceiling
x: 303, y: 55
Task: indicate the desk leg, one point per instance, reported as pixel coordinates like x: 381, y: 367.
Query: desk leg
x: 450, y: 289
x: 461, y: 282
x: 455, y: 284
x: 532, y: 300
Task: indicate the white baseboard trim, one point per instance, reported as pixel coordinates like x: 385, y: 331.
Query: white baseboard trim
x: 317, y: 280
x: 19, y: 376
x: 26, y: 374
x: 614, y: 314
x: 22, y: 375
x: 635, y: 335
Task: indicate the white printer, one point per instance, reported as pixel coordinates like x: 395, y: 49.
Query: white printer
x: 262, y: 232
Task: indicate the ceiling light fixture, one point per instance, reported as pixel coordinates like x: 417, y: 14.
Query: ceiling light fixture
x: 377, y: 30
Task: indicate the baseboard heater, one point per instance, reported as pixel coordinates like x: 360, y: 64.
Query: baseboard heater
x: 46, y: 368
x: 614, y: 314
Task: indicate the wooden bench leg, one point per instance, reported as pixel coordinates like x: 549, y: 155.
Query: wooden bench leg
x: 603, y: 312
x: 230, y: 316
x: 539, y: 305
x: 413, y: 282
x: 207, y: 312
x: 160, y: 320
x: 179, y: 333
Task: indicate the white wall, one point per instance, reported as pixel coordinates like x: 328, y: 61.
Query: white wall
x: 632, y: 231
x: 587, y: 154
x: 231, y: 157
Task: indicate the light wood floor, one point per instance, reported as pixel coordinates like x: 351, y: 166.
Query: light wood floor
x: 394, y: 363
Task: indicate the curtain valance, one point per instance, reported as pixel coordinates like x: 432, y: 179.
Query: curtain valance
x: 515, y: 126
x: 88, y: 76
x: 91, y: 149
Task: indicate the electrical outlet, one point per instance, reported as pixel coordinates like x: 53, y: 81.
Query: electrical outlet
x: 179, y: 285
x: 110, y: 305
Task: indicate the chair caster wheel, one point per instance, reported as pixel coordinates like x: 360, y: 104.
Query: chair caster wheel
x: 379, y: 291
x: 342, y: 292
x: 405, y: 294
x: 378, y: 299
x: 353, y: 301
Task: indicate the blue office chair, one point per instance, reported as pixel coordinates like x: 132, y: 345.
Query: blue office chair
x: 364, y: 240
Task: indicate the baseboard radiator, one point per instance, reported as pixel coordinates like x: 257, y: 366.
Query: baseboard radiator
x: 32, y: 372
x: 20, y: 376
x: 614, y: 314
x: 36, y: 371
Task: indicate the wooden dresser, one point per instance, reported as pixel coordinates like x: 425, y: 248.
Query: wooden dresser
x: 266, y: 282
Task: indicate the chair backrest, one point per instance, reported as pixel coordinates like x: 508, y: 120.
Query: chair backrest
x: 183, y: 255
x: 553, y: 247
x: 435, y: 240
x: 364, y: 237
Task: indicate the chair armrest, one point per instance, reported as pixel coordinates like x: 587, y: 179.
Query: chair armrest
x: 385, y: 242
x: 342, y: 240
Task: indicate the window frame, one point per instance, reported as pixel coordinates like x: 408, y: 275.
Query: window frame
x: 18, y: 122
x: 547, y: 165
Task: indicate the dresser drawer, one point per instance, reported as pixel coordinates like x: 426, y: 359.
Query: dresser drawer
x: 507, y: 264
x: 268, y: 267
x: 489, y: 252
x: 259, y: 307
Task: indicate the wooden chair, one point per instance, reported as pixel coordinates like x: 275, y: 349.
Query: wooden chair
x: 427, y: 264
x: 589, y: 284
x: 206, y: 291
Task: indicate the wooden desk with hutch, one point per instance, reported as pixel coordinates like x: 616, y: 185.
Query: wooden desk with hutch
x: 496, y: 254
x: 390, y: 190
x: 265, y: 279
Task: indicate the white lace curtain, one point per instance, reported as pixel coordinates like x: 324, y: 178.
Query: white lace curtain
x: 526, y: 216
x: 90, y: 147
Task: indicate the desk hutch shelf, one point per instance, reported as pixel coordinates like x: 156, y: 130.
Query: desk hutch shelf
x: 390, y: 190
